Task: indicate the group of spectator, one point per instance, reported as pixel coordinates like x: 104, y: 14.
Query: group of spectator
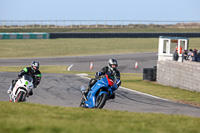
x: 191, y: 55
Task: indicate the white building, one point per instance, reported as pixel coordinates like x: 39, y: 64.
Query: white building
x: 168, y: 45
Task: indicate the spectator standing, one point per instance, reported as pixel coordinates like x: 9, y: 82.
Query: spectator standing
x: 190, y: 55
x: 198, y: 56
x: 179, y: 48
x: 175, y: 55
x: 194, y: 55
x: 184, y: 55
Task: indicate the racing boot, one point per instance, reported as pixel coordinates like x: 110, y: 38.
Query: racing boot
x: 10, y: 89
x: 87, y: 90
x: 30, y: 93
x: 11, y: 86
x: 112, y: 96
x: 90, y: 84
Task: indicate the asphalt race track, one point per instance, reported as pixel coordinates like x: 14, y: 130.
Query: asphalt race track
x: 82, y: 63
x: 64, y: 89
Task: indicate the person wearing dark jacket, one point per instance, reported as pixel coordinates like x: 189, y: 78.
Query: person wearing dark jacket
x: 198, y: 57
x: 112, y: 67
x: 33, y: 71
x: 184, y: 55
x: 194, y: 55
x: 175, y: 55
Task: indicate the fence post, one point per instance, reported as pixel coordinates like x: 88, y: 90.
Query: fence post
x: 26, y: 24
x: 71, y: 24
x: 33, y: 23
x: 48, y: 24
x: 11, y: 24
x: 3, y: 23
x: 80, y: 24
x: 88, y: 24
x: 41, y: 24
x: 18, y: 23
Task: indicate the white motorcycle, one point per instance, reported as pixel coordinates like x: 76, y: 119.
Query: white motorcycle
x: 21, y: 89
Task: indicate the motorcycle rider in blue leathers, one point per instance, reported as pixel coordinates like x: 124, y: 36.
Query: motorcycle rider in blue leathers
x: 112, y: 67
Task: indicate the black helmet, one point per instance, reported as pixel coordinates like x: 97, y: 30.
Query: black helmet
x: 111, y: 62
x: 35, y: 64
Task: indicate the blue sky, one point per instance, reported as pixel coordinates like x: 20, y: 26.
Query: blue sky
x: 100, y: 10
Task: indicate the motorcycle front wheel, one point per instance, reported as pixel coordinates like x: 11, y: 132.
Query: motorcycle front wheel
x: 19, y: 97
x: 101, y: 101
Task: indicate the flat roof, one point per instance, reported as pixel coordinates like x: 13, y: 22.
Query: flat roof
x: 175, y: 38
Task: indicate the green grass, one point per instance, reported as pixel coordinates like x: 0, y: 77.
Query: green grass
x: 74, y: 47
x: 135, y: 82
x: 44, y: 69
x: 37, y: 118
x: 70, y: 47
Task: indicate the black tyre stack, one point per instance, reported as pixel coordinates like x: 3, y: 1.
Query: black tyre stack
x: 150, y: 73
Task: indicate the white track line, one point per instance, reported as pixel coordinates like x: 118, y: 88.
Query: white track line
x: 127, y: 89
x: 143, y: 93
x: 70, y: 67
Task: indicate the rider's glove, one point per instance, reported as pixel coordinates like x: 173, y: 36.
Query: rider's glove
x: 98, y: 74
x: 118, y: 82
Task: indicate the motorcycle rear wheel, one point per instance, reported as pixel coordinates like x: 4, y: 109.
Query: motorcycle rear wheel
x: 101, y: 101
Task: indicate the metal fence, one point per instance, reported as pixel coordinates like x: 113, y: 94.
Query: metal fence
x: 97, y: 24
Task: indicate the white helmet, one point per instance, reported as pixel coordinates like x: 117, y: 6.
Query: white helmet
x: 111, y: 62
x: 35, y: 64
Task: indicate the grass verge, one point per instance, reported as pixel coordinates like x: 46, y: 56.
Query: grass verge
x: 37, y: 118
x: 74, y: 47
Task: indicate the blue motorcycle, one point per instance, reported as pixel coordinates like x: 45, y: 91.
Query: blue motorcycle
x: 100, y: 92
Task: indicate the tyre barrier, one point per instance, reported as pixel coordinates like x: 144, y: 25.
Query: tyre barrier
x: 121, y: 35
x: 24, y: 35
x: 150, y: 73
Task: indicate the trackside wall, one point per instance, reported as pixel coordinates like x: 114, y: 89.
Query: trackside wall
x: 184, y: 75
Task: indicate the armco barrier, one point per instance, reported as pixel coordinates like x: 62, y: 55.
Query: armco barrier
x: 24, y: 35
x: 121, y: 35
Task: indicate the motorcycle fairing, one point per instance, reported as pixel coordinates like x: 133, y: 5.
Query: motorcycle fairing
x: 91, y: 97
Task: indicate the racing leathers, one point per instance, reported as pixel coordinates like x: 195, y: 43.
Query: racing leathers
x: 35, y: 74
x: 103, y: 71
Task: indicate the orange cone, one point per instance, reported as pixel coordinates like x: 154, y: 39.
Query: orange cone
x: 91, y: 65
x: 136, y: 65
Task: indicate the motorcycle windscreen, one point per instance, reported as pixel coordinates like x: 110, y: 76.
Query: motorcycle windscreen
x: 29, y: 78
x: 111, y: 79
